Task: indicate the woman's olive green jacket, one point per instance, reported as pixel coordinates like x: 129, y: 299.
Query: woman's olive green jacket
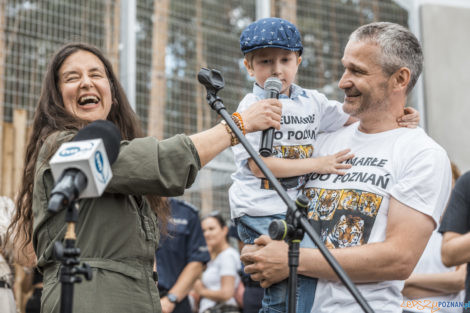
x: 117, y: 232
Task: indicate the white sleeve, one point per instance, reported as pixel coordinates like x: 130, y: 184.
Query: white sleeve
x: 7, y: 209
x: 239, y: 152
x: 332, y: 116
x: 231, y: 264
x: 424, y: 181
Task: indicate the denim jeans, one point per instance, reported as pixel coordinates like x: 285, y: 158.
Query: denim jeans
x: 275, y: 297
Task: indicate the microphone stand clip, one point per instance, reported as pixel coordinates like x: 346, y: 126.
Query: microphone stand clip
x: 213, y: 81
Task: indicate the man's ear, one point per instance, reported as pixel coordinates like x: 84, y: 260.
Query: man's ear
x: 401, y: 78
x: 299, y: 60
x: 248, y: 67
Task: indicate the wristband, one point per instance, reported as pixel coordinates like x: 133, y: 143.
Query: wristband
x: 172, y: 298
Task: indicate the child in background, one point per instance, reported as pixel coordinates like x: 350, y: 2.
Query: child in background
x: 273, y: 48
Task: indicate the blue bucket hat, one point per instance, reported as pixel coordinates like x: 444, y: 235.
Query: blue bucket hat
x: 271, y: 32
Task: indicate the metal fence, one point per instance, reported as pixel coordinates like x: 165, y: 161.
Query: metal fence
x: 173, y: 40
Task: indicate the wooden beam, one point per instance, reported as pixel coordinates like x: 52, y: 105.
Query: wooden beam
x: 333, y: 19
x: 156, y: 116
x: 20, y: 121
x: 117, y: 36
x: 288, y: 10
x: 108, y: 27
x: 376, y: 10
x: 2, y: 79
x: 111, y: 26
x: 7, y: 160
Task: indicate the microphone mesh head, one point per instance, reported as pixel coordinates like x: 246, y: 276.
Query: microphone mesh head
x: 273, y: 84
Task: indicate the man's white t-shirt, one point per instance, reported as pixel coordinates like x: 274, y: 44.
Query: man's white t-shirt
x: 352, y: 210
x: 304, y: 114
x: 227, y: 263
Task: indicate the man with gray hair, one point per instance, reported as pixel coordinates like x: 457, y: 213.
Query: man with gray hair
x: 377, y: 218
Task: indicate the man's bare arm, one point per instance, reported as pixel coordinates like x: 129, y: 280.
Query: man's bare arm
x: 406, y: 236
x: 455, y: 248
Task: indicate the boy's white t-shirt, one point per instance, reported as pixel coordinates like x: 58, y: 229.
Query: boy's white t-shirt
x: 227, y: 263
x: 304, y: 115
x: 352, y: 210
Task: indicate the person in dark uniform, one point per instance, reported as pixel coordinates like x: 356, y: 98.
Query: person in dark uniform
x: 181, y: 257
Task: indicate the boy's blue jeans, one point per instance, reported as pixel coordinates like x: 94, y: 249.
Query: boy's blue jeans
x: 275, y: 297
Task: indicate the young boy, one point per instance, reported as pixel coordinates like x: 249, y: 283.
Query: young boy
x: 273, y: 48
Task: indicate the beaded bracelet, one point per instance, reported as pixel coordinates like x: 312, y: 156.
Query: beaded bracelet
x: 233, y: 139
x: 237, y: 119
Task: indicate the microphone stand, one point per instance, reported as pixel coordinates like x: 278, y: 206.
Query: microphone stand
x: 69, y: 256
x: 290, y: 231
x: 213, y: 81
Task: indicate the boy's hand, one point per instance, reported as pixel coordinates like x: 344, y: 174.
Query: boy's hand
x: 333, y: 164
x: 410, y: 119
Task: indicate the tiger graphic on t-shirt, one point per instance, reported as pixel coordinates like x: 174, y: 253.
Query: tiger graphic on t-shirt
x: 343, y: 217
x: 369, y: 204
x: 349, y: 199
x: 327, y: 204
x: 346, y: 233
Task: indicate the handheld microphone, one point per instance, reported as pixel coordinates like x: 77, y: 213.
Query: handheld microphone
x: 272, y: 86
x: 82, y: 167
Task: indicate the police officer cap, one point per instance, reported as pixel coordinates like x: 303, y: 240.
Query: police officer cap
x: 187, y: 204
x: 271, y: 32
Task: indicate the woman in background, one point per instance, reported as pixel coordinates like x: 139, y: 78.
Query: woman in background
x: 220, y: 279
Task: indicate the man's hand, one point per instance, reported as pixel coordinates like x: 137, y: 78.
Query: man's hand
x: 266, y: 261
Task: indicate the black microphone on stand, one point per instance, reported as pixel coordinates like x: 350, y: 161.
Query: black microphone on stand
x: 272, y: 86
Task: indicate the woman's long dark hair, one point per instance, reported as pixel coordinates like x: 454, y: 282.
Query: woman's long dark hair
x: 51, y: 116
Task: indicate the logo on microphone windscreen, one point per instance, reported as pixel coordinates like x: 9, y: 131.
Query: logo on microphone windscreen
x: 99, y: 165
x: 69, y: 151
x: 73, y: 150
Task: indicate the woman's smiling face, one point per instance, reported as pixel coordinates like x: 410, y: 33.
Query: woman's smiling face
x: 84, y: 86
